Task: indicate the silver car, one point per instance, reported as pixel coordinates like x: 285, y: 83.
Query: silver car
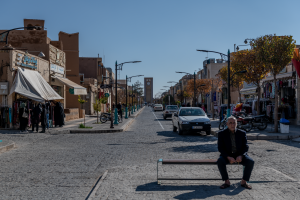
x: 191, y: 119
x: 158, y: 107
x: 170, y: 109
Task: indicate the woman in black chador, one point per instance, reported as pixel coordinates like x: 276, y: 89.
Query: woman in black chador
x: 36, y: 112
x: 23, y: 118
x: 43, y: 119
x: 59, y: 115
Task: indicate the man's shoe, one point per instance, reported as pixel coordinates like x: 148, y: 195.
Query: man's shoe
x: 246, y: 186
x: 224, y: 186
x: 42, y: 132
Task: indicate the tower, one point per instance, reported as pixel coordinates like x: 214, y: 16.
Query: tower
x: 148, y: 88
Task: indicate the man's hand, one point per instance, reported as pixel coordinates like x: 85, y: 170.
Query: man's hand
x: 239, y: 159
x: 231, y: 160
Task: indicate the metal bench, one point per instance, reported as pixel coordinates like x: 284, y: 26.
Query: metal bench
x: 188, y: 162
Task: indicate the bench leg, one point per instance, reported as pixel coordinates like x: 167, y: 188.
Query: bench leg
x: 158, y: 182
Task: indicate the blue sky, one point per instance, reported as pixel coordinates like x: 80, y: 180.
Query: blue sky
x: 163, y: 34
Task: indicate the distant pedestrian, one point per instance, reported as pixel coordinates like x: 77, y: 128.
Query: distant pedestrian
x: 119, y: 107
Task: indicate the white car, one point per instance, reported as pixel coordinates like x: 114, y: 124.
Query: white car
x: 158, y: 107
x: 170, y: 109
x: 191, y: 119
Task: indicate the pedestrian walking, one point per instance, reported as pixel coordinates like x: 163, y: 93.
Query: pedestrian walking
x: 232, y: 144
x: 119, y: 107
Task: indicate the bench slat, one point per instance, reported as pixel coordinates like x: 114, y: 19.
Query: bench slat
x: 190, y: 162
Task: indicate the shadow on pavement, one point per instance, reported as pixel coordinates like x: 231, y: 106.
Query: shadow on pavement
x: 202, y: 148
x: 199, y: 191
x: 187, y: 137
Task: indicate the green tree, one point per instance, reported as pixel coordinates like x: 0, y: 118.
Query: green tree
x: 274, y: 52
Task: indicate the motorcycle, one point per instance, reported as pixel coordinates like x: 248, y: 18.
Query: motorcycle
x: 243, y: 122
x: 260, y: 122
x: 104, y: 117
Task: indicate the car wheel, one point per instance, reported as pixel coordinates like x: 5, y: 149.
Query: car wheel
x: 180, y: 132
x: 174, y: 128
x: 208, y: 132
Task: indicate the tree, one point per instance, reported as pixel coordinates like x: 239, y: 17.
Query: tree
x: 203, y: 86
x: 236, y: 80
x: 256, y: 70
x: 121, y: 96
x: 274, y: 52
x: 137, y: 89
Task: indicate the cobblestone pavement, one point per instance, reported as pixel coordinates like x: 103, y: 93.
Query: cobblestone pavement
x: 62, y: 166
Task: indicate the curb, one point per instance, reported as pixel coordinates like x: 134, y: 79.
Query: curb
x: 126, y: 126
x: 265, y: 137
x: 7, y: 147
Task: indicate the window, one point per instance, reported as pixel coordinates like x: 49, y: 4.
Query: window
x: 192, y: 112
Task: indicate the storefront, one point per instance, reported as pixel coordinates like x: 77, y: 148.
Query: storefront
x: 287, y: 101
x: 24, y: 84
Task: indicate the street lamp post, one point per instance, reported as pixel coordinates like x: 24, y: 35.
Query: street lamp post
x: 119, y: 67
x: 228, y: 80
x: 228, y: 85
x: 126, y: 109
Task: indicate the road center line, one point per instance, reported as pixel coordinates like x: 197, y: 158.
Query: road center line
x: 158, y: 121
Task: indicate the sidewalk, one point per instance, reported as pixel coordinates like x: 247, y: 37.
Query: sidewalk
x: 90, y: 120
x: 263, y: 135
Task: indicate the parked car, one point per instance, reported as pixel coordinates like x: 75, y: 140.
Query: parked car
x: 170, y: 109
x: 158, y: 107
x: 191, y: 119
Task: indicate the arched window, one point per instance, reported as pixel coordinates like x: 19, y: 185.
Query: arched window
x: 31, y: 27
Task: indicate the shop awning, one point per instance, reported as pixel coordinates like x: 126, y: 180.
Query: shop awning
x: 32, y: 85
x: 78, y: 89
x: 279, y: 76
x: 251, y: 90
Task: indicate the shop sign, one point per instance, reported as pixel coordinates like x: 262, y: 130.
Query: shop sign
x: 106, y: 94
x: 57, y: 69
x: 26, y: 61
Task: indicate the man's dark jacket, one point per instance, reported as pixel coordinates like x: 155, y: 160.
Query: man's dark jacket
x: 225, y: 146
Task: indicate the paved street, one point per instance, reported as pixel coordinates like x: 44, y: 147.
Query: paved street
x: 66, y: 166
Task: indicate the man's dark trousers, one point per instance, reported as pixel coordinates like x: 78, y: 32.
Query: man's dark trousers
x: 247, y: 162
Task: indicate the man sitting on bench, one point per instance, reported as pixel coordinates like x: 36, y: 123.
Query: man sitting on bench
x: 232, y: 144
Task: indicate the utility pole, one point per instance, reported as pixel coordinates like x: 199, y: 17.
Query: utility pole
x: 228, y: 85
x: 194, y: 89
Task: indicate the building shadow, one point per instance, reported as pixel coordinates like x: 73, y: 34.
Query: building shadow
x: 198, y: 191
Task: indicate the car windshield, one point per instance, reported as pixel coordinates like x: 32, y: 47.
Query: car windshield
x: 192, y: 112
x: 158, y: 105
x: 172, y: 107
